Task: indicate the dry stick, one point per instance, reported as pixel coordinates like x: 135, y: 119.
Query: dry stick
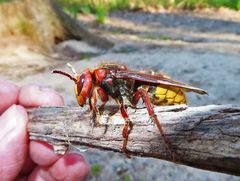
x: 206, y: 137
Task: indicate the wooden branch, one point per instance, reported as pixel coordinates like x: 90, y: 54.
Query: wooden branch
x: 206, y: 137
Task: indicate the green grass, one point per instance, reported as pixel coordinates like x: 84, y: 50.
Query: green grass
x: 102, y: 7
x: 5, y: 1
x: 126, y: 177
x: 157, y: 37
x: 96, y: 169
x: 101, y: 13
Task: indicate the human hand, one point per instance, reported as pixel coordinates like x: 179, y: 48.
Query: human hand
x: 21, y: 159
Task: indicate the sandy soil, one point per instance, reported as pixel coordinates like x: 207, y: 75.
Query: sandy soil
x: 191, y: 47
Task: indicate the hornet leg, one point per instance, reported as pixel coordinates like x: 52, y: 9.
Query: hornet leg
x: 127, y: 126
x: 97, y: 93
x: 142, y: 93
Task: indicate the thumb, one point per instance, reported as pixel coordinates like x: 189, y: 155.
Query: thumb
x: 13, y: 141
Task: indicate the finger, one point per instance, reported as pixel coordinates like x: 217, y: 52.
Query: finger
x: 42, y: 153
x: 75, y: 165
x: 13, y: 142
x: 33, y: 96
x: 71, y: 166
x: 28, y: 166
x: 8, y: 94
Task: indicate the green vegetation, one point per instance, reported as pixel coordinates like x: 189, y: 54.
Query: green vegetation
x: 4, y: 1
x: 101, y: 7
x: 96, y: 169
x: 126, y: 177
x: 157, y: 37
x: 25, y: 27
x: 97, y: 6
x: 101, y: 13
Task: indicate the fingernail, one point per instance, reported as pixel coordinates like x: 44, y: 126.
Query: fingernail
x: 45, y: 88
x: 73, y: 158
x: 8, y: 84
x: 34, y: 95
x: 8, y: 95
x: 13, y: 120
x: 37, y: 88
x: 45, y: 144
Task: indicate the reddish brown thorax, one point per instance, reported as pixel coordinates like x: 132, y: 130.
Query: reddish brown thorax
x: 99, y: 75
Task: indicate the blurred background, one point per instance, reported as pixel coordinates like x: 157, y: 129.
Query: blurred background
x: 196, y: 42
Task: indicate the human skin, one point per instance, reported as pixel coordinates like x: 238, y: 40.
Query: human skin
x: 22, y: 159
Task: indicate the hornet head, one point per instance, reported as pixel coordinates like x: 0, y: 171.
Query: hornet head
x: 83, y: 83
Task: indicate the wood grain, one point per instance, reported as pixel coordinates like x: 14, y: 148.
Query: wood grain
x: 206, y: 137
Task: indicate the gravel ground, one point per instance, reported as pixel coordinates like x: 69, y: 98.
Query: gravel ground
x: 190, y: 47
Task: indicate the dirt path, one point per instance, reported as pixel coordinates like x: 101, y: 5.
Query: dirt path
x: 192, y: 48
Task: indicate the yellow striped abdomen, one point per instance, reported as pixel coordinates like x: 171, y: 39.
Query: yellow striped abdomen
x: 167, y: 95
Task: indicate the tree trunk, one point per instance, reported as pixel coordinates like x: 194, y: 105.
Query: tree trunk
x: 44, y: 22
x: 206, y: 137
x: 74, y: 30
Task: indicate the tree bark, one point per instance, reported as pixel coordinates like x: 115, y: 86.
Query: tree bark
x: 206, y: 137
